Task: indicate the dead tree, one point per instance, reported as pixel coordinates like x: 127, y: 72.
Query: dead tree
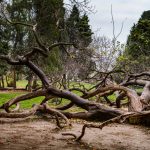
x: 93, y: 111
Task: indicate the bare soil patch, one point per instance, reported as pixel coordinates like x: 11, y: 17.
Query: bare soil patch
x: 43, y: 135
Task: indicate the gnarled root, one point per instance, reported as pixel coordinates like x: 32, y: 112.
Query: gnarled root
x: 20, y: 115
x: 56, y: 113
x: 119, y: 119
x: 17, y: 117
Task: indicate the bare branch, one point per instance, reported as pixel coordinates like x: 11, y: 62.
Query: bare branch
x: 66, y: 106
x: 119, y: 119
x: 59, y: 44
x: 10, y: 60
x: 122, y: 25
x: 23, y: 98
x: 56, y: 113
x: 114, y: 36
x: 20, y: 115
x: 41, y: 45
x: 34, y: 51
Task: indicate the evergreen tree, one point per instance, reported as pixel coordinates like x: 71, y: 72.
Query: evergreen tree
x: 78, y: 28
x: 136, y: 56
x: 73, y: 25
x: 19, y: 10
x: 49, y: 15
x: 85, y: 31
x: 138, y: 43
x: 80, y: 33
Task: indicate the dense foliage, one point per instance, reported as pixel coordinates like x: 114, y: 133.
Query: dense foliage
x: 52, y: 26
x: 136, y: 56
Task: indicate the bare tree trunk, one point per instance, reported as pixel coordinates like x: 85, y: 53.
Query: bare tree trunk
x: 34, y: 85
x: 29, y: 85
x: 14, y: 77
x: 119, y: 98
x: 38, y: 72
x: 3, y: 85
x: 0, y: 84
x: 145, y: 96
x: 7, y: 83
x: 64, y: 81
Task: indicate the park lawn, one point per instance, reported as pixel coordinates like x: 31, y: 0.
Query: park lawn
x: 112, y: 97
x: 82, y: 85
x: 6, y: 96
x: 21, y: 83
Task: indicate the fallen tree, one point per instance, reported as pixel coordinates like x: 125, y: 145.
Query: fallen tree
x: 138, y: 105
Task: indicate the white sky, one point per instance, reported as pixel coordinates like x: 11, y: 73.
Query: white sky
x: 123, y: 10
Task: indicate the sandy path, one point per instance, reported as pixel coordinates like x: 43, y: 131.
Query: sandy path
x: 42, y: 135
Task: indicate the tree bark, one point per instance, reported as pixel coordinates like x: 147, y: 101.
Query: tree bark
x: 14, y: 78
x: 3, y: 85
x: 29, y: 85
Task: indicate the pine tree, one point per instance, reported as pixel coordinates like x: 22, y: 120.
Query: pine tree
x: 85, y: 31
x: 78, y: 28
x: 138, y: 43
x: 136, y: 56
x: 73, y: 24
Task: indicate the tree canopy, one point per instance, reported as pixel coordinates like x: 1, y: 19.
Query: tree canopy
x: 136, y: 55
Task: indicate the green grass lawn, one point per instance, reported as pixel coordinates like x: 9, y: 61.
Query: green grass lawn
x: 6, y: 96
x: 21, y: 83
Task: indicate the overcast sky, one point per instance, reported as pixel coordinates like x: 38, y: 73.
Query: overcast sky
x: 128, y: 11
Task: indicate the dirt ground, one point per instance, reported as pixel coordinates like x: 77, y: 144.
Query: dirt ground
x: 43, y: 135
